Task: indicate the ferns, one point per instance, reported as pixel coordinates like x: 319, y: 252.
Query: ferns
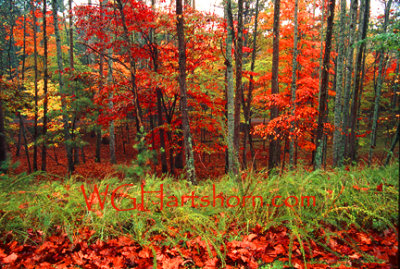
x: 343, y: 199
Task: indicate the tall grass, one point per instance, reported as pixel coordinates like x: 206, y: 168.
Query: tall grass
x: 364, y: 198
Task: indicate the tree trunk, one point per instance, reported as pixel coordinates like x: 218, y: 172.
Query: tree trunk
x: 45, y: 82
x: 239, y: 71
x: 324, y: 87
x: 3, y: 143
x: 154, y: 53
x: 21, y: 120
x: 394, y: 142
x: 190, y: 168
x: 338, y: 120
x: 349, y: 73
x: 232, y: 157
x: 294, y: 82
x: 378, y: 88
x: 274, y: 148
x: 67, y: 138
x: 35, y: 124
x: 113, y: 157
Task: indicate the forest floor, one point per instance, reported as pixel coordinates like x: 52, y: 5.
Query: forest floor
x: 279, y: 239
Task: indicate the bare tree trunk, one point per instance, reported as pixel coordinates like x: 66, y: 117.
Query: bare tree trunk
x: 274, y: 147
x: 163, y: 153
x: 190, y: 168
x: 378, y: 88
x: 21, y: 124
x: 113, y: 158
x: 357, y: 81
x: 349, y: 73
x: 3, y: 143
x: 67, y: 136
x: 239, y: 71
x: 45, y: 79
x: 21, y: 120
x: 324, y: 87
x: 35, y: 53
x: 338, y: 144
x: 232, y: 157
x: 394, y: 142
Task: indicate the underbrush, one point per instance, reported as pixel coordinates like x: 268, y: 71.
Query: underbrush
x: 362, y: 199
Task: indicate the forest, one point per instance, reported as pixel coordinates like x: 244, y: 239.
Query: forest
x: 208, y: 134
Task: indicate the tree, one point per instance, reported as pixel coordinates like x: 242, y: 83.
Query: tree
x: 338, y: 145
x: 3, y: 143
x: 132, y: 68
x: 357, y: 81
x: 247, y: 103
x: 239, y: 74
x: 35, y: 54
x: 274, y: 148
x: 60, y: 66
x: 232, y: 157
x: 322, y: 109
x: 294, y: 76
x: 45, y: 81
x: 349, y: 73
x: 379, y: 86
x: 190, y: 168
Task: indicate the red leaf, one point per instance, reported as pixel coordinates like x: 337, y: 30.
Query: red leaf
x: 379, y: 187
x: 10, y: 258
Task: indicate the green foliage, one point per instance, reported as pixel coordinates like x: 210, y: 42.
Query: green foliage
x: 141, y: 166
x: 363, y: 198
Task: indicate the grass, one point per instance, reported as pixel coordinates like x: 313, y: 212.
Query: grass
x: 362, y: 198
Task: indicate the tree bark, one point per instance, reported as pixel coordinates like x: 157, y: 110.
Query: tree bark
x: 60, y: 66
x: 378, y: 87
x: 324, y: 87
x: 45, y: 82
x: 349, y: 73
x: 247, y: 105
x: 338, y: 118
x: 190, y: 168
x: 239, y: 71
x: 232, y: 157
x: 35, y: 54
x: 274, y: 148
x: 3, y: 143
x: 113, y: 157
x: 394, y: 142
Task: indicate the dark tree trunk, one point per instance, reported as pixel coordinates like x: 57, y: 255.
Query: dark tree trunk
x: 233, y: 162
x: 324, y: 87
x: 274, y: 148
x: 21, y: 120
x: 239, y: 71
x: 45, y: 81
x: 358, y: 81
x: 247, y: 105
x: 190, y: 168
x: 382, y: 60
x: 35, y: 124
x: 3, y: 144
x: 67, y: 136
